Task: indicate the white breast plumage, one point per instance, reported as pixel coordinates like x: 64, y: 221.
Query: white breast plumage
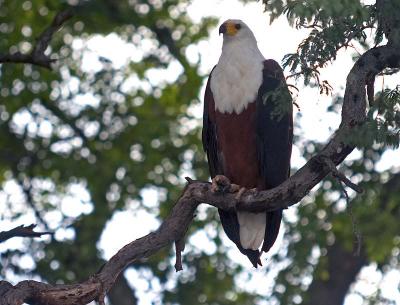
x: 237, y: 78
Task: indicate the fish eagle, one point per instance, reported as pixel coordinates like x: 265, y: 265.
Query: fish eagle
x: 247, y: 132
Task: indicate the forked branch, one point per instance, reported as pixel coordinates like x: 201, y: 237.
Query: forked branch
x: 38, y: 56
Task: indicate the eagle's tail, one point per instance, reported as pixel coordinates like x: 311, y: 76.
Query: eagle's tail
x: 251, y: 229
x: 230, y: 223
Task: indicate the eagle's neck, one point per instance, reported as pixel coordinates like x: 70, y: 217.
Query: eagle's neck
x: 237, y: 77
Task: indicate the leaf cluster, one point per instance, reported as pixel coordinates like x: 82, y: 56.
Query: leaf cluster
x: 332, y: 26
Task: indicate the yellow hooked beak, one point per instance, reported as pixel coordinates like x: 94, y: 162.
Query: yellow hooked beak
x: 229, y: 28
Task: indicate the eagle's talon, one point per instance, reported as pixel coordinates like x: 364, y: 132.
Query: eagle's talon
x: 240, y: 193
x: 214, y: 187
x: 234, y: 188
x: 242, y: 189
x: 254, y: 191
x: 220, y: 184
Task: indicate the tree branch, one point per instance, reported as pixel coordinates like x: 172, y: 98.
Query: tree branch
x: 21, y: 231
x: 341, y: 177
x: 38, y: 56
x: 176, y: 224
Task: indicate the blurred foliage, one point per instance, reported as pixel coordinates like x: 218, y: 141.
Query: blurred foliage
x: 93, y: 135
x: 383, y: 121
x: 333, y: 25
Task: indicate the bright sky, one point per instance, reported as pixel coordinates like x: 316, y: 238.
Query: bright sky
x: 275, y: 41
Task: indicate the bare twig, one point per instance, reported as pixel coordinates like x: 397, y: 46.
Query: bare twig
x: 101, y: 297
x: 179, y: 247
x: 354, y: 224
x: 27, y: 190
x: 38, y: 56
x: 341, y: 177
x: 189, y: 180
x: 297, y: 106
x: 389, y: 72
x: 21, y: 231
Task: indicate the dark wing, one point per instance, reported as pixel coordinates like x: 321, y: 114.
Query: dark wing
x: 209, y: 132
x: 210, y: 144
x: 274, y: 137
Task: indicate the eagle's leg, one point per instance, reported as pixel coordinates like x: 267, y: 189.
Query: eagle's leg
x: 222, y: 184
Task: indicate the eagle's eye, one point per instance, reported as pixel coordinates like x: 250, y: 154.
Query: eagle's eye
x: 238, y: 26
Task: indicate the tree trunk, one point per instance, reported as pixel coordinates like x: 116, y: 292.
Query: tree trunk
x: 343, y: 267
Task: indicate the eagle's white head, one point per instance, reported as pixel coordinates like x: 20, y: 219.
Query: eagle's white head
x: 238, y: 75
x: 235, y: 30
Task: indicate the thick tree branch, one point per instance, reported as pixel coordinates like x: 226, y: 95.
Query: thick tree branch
x: 21, y: 231
x: 38, y: 56
x: 176, y: 224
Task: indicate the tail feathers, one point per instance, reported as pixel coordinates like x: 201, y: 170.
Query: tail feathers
x: 231, y: 227
x: 253, y: 256
x: 229, y: 221
x: 251, y: 229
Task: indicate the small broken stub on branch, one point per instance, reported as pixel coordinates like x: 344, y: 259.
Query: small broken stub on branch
x: 179, y: 247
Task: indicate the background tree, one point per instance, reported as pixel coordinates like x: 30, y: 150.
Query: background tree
x: 111, y: 132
